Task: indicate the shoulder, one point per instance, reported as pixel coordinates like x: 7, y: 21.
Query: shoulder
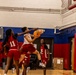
x: 28, y: 34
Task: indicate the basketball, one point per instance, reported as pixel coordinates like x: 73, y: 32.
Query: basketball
x: 38, y: 32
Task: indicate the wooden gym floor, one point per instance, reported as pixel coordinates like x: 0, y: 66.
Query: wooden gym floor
x: 40, y: 72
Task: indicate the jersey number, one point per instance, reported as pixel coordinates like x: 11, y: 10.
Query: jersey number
x: 12, y: 44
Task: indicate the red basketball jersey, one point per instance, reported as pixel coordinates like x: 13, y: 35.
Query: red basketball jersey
x: 13, y: 43
x: 43, y: 52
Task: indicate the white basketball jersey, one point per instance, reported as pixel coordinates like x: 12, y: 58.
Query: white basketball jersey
x: 29, y: 37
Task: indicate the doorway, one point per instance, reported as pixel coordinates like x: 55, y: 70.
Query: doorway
x: 49, y: 43
x: 71, y: 41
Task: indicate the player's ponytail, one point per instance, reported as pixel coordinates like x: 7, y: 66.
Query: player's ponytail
x: 8, y: 33
x: 5, y: 45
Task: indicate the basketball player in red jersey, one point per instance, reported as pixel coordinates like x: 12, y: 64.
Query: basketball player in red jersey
x: 28, y: 45
x: 25, y: 60
x: 13, y: 52
x: 44, y: 52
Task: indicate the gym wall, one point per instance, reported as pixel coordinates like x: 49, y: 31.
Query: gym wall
x: 20, y: 19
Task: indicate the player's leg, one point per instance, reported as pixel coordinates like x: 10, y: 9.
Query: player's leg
x: 44, y: 71
x: 24, y: 66
x: 16, y: 59
x: 32, y: 50
x: 38, y: 54
x: 24, y: 69
x: 17, y: 66
x: 39, y: 58
x: 22, y: 56
x: 9, y: 57
x: 7, y: 65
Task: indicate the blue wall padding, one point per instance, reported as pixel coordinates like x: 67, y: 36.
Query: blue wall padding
x: 61, y: 38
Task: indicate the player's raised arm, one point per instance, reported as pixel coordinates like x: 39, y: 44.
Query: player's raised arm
x: 19, y: 34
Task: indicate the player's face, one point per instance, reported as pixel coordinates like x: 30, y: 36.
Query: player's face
x: 27, y: 29
x: 42, y: 41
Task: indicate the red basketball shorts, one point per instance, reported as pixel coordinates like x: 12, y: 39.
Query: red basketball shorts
x: 28, y: 48
x: 14, y: 53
